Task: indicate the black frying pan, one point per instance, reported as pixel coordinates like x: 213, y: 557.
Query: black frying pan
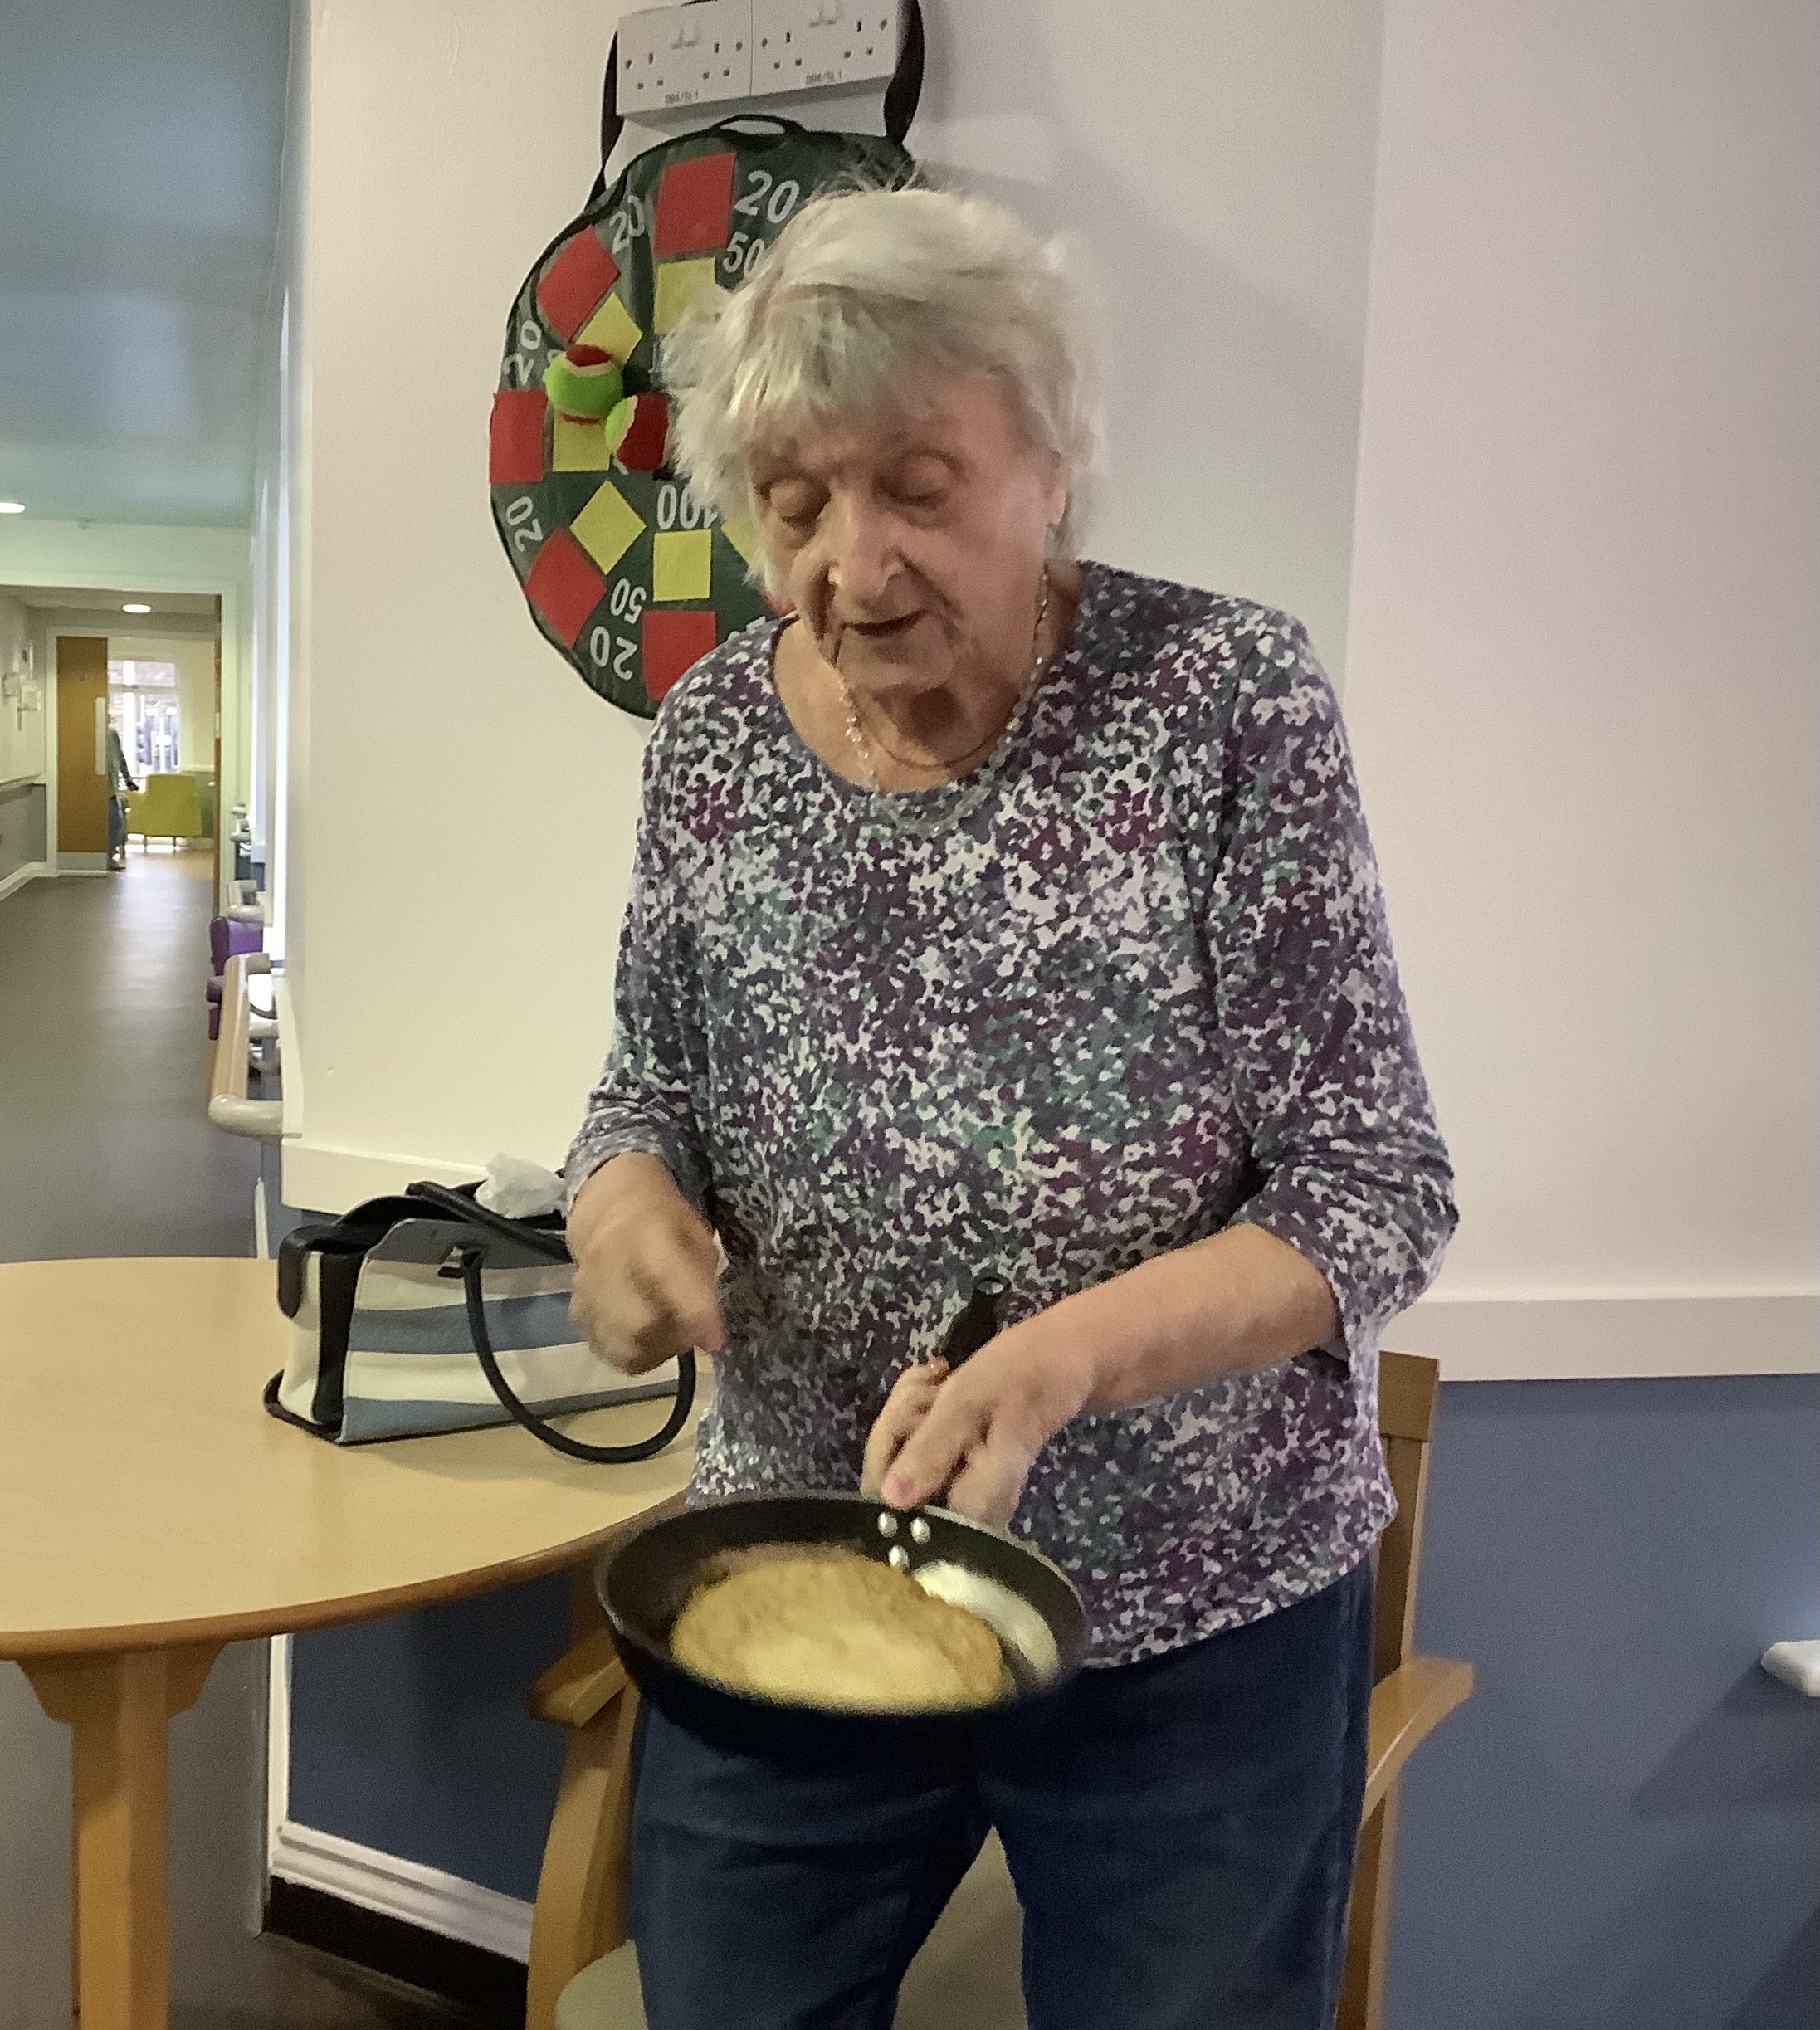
x: 1029, y: 1602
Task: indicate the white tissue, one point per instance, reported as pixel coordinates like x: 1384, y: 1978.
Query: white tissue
x: 1795, y: 1663
x: 518, y: 1189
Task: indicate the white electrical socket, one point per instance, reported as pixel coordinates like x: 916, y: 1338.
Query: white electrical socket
x: 676, y: 56
x: 809, y: 45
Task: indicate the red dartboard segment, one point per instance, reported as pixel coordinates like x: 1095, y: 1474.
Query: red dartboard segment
x: 576, y: 284
x: 565, y: 586
x: 672, y: 643
x: 641, y: 449
x: 514, y: 443
x: 694, y: 206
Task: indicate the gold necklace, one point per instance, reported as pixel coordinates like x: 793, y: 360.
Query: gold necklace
x: 862, y: 740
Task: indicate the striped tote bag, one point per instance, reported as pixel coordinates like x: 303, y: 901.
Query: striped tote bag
x: 428, y: 1313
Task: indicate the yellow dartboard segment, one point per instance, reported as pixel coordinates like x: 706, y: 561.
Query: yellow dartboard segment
x: 678, y: 284
x: 682, y: 565
x: 744, y: 536
x: 608, y: 527
x: 613, y: 329
x: 578, y: 446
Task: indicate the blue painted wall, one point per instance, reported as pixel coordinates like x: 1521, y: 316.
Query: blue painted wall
x: 411, y: 1734
x: 1619, y: 1832
x: 1622, y: 1831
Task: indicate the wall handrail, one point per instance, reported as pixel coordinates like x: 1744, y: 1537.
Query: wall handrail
x: 229, y: 1107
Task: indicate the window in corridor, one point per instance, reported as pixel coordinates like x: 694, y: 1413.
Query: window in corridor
x: 142, y: 707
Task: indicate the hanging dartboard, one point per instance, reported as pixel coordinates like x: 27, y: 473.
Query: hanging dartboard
x: 629, y: 576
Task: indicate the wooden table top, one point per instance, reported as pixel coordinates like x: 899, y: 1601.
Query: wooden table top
x: 148, y: 1499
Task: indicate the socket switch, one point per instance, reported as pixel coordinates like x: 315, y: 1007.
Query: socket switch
x: 676, y: 56
x: 812, y: 45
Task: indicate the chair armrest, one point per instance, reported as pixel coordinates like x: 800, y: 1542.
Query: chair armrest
x: 576, y: 1688
x: 1406, y: 1708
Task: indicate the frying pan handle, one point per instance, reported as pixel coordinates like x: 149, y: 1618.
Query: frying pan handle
x: 976, y: 1322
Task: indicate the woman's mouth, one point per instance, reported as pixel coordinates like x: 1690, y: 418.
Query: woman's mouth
x: 882, y: 631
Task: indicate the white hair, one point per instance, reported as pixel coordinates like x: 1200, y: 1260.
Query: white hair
x: 860, y: 295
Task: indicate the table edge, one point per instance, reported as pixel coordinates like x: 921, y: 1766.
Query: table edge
x: 120, y: 1639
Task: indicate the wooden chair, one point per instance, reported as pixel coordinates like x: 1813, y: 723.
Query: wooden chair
x: 579, y: 1927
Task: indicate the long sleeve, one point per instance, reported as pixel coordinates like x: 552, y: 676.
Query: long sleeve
x: 1353, y: 1174
x: 650, y: 1092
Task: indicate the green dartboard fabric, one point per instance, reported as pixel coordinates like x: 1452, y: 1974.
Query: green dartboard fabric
x: 625, y: 573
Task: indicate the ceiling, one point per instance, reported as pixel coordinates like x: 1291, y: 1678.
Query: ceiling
x: 139, y: 151
x: 70, y: 597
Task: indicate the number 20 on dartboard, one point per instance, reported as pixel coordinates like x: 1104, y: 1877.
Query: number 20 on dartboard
x: 608, y: 651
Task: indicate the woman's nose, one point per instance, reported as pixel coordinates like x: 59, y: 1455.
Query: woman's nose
x: 862, y: 553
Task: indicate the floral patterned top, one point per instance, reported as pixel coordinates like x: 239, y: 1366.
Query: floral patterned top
x: 1127, y: 982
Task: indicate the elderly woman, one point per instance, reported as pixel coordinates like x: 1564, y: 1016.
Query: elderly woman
x: 999, y: 914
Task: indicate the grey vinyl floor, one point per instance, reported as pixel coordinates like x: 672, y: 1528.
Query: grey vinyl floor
x: 104, y: 1149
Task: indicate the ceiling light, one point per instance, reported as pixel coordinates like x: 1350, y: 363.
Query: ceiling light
x: 12, y: 507
x: 135, y: 605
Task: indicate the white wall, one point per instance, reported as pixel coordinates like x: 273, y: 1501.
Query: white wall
x: 278, y: 633
x: 21, y: 731
x: 1585, y: 619
x: 469, y: 805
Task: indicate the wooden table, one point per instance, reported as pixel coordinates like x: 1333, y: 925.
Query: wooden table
x: 151, y: 1512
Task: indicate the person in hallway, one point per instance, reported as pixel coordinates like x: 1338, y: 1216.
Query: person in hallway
x: 118, y: 783
x: 1001, y: 913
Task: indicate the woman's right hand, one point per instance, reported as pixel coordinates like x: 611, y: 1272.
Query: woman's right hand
x: 909, y: 1402
x: 646, y: 1266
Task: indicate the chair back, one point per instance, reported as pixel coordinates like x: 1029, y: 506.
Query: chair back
x: 1407, y: 1387
x: 168, y: 806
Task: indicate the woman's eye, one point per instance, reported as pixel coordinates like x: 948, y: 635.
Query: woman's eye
x: 922, y: 485
x: 796, y: 511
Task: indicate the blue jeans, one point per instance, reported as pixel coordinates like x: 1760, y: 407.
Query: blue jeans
x: 1180, y: 1832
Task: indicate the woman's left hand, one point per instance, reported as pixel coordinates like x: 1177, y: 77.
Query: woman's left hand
x: 976, y: 1440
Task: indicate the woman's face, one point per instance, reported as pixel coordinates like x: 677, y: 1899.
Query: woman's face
x: 912, y: 548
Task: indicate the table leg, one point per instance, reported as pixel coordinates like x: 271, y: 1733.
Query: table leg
x: 117, y: 1708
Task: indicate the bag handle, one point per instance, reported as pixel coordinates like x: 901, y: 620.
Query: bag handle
x: 463, y: 1205
x: 902, y: 96
x: 472, y: 1260
x: 458, y: 1205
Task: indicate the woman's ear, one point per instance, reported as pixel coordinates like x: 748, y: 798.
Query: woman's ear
x: 1057, y: 508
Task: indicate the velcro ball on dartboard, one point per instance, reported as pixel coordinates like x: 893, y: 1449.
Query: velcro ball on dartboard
x: 585, y: 383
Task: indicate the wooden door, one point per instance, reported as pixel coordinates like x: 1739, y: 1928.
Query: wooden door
x: 82, y: 784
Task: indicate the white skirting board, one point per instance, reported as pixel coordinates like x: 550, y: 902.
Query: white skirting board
x: 406, y: 1890
x: 1593, y: 1335
x: 19, y: 876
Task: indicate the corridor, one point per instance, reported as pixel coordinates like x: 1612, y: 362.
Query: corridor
x: 106, y: 1149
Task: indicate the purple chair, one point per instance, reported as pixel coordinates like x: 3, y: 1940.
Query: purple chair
x: 227, y: 939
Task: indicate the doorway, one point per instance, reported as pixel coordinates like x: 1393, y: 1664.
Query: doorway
x: 83, y: 787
